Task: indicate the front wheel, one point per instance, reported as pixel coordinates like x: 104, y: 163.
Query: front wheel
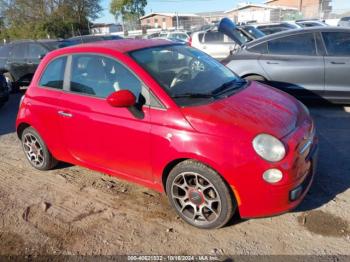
x: 199, y: 195
x: 36, y: 150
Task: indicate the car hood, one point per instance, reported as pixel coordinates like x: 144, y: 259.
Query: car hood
x: 255, y: 109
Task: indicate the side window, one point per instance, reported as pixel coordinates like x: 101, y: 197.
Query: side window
x: 36, y: 50
x: 213, y: 37
x: 18, y: 51
x: 100, y: 76
x: 337, y: 43
x: 53, y: 75
x: 259, y: 49
x: 5, y: 51
x: 301, y: 44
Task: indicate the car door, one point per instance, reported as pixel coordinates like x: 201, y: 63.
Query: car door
x: 35, y: 52
x: 97, y: 134
x: 17, y: 62
x: 217, y: 45
x: 46, y: 104
x: 292, y: 63
x: 337, y: 62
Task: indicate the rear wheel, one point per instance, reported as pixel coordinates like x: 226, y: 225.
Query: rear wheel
x: 199, y: 195
x: 255, y: 78
x: 36, y: 150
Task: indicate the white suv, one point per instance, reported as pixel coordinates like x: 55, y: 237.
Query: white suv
x: 215, y: 43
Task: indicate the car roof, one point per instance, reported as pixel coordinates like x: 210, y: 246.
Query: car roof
x: 297, y: 31
x: 125, y: 45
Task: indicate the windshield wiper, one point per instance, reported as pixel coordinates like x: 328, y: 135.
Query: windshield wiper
x: 229, y: 86
x: 193, y: 95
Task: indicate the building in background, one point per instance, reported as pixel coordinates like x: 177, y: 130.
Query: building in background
x: 212, y: 17
x: 171, y: 21
x: 105, y: 29
x: 262, y: 13
x: 309, y: 8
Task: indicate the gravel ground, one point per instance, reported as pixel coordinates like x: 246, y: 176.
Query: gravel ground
x: 72, y: 210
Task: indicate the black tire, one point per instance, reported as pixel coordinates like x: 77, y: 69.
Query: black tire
x: 217, y: 192
x: 11, y: 83
x: 43, y: 159
x: 255, y: 78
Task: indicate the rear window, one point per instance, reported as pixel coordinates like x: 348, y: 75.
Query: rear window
x: 345, y: 19
x: 301, y: 44
x: 53, y: 75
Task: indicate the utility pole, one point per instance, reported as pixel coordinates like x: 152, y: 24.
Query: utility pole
x: 177, y: 21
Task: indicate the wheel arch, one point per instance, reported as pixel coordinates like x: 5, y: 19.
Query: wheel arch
x: 173, y: 163
x: 21, y: 127
x: 254, y: 74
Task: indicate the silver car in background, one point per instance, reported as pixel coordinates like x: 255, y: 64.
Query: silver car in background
x: 345, y: 21
x: 308, y: 63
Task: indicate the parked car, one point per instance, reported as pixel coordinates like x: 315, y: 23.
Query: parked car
x: 253, y: 31
x: 76, y: 40
x: 308, y: 63
x: 171, y: 118
x: 19, y: 60
x: 310, y: 23
x: 344, y: 21
x: 4, y: 92
x: 219, y: 45
x: 174, y: 35
x: 273, y: 28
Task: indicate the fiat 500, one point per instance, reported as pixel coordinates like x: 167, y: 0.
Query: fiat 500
x: 171, y: 118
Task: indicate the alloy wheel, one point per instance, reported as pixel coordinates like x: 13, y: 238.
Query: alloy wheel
x: 33, y: 150
x: 196, y: 198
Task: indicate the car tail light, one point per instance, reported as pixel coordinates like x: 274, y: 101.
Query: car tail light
x: 190, y: 41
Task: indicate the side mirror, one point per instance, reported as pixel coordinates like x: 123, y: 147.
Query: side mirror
x: 122, y: 98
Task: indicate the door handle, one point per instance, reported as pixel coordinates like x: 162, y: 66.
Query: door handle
x: 65, y: 114
x: 204, y: 47
x: 272, y: 63
x: 337, y: 63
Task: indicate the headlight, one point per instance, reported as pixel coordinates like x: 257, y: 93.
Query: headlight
x: 269, y: 147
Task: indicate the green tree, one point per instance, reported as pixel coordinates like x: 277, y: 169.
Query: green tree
x: 129, y: 10
x: 42, y: 18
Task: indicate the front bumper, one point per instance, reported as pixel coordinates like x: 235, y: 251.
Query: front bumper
x: 299, y: 168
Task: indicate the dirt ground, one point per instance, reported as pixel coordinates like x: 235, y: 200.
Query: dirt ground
x: 72, y: 210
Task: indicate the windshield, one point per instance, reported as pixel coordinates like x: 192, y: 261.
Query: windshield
x: 188, y: 75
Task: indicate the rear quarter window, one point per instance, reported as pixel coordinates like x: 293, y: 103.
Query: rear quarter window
x: 53, y: 75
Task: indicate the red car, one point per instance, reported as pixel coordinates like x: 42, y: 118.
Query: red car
x: 171, y: 118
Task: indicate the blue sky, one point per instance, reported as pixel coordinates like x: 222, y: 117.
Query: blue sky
x: 195, y: 6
